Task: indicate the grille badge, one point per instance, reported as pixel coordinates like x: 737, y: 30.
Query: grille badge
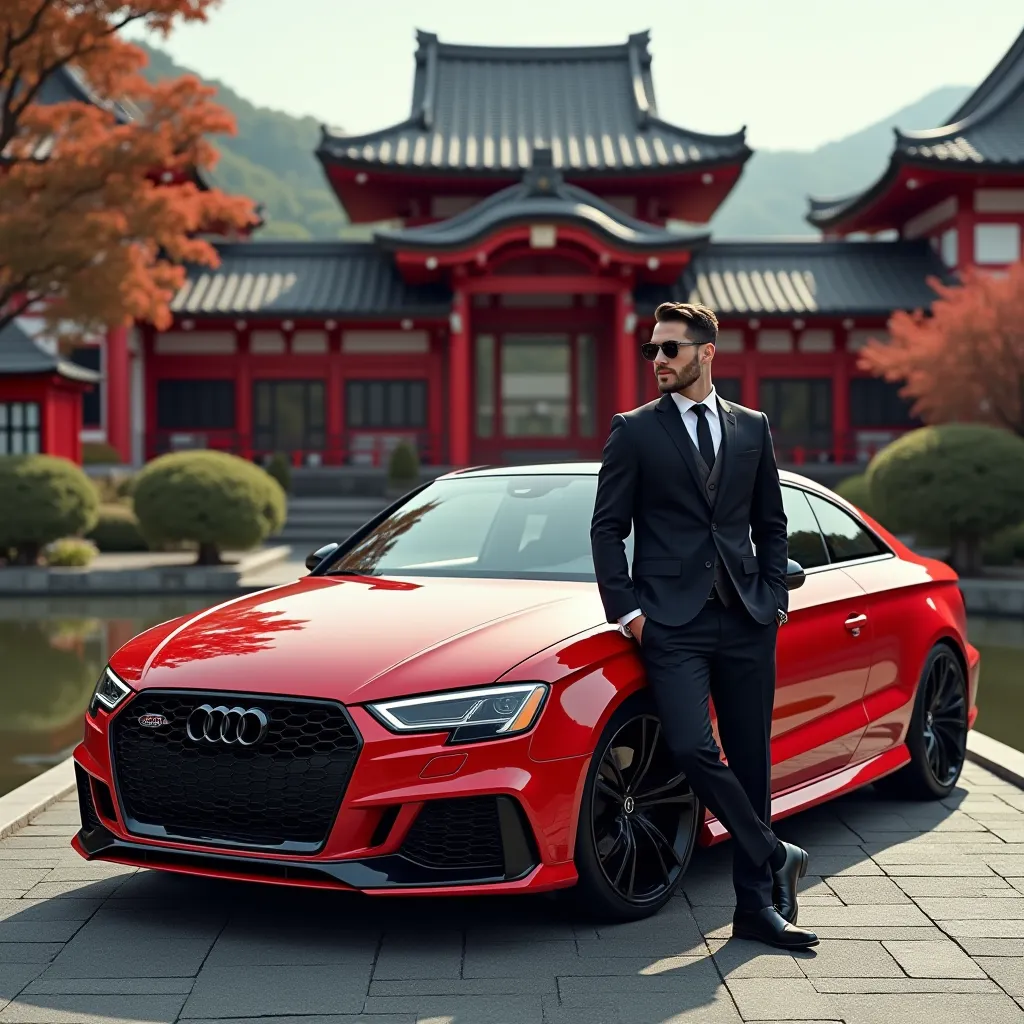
x: 153, y: 721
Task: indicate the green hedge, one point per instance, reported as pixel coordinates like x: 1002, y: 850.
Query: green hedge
x: 280, y: 469
x: 212, y: 499
x: 42, y: 498
x: 856, y: 491
x: 72, y: 551
x: 404, y: 465
x: 1006, y: 547
x: 117, y: 529
x: 958, y: 482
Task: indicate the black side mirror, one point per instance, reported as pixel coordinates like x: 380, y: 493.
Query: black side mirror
x: 795, y: 575
x: 316, y: 557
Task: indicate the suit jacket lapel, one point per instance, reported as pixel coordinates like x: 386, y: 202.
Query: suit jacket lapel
x: 727, y: 452
x: 673, y: 423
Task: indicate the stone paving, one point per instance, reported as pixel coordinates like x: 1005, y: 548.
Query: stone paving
x: 920, y: 908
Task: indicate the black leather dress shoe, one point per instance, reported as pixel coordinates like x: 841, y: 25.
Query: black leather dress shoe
x: 785, y: 881
x: 768, y: 926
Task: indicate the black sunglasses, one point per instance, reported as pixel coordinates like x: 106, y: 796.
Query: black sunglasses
x: 649, y: 350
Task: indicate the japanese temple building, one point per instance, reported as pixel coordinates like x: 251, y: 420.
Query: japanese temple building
x: 531, y: 212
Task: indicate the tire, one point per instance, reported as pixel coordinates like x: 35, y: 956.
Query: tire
x: 937, y: 734
x: 639, y: 820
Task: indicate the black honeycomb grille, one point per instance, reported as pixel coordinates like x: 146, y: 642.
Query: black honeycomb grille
x: 283, y: 793
x: 463, y: 833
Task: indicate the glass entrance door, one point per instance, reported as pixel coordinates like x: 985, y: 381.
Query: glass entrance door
x: 536, y: 397
x: 288, y: 416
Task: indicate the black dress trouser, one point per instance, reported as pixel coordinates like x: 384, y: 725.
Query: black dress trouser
x: 727, y: 656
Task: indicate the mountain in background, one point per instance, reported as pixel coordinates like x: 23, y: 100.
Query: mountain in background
x: 271, y: 160
x: 771, y: 197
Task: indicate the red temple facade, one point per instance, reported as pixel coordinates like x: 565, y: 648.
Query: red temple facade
x: 537, y: 210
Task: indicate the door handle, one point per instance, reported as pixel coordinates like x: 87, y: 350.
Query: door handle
x: 854, y: 624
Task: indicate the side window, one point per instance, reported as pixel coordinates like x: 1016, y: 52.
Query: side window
x: 805, y: 543
x: 845, y: 538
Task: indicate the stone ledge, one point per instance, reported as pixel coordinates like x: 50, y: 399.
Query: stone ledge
x: 997, y: 757
x: 152, y: 579
x: 34, y: 796
x: 993, y: 596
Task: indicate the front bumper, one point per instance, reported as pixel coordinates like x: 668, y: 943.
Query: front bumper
x: 394, y: 778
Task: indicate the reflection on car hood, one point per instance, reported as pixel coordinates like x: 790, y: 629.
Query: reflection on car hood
x: 360, y: 638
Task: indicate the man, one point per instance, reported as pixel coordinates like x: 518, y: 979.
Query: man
x: 695, y: 478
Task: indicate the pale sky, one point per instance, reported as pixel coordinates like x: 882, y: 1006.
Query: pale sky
x: 798, y: 73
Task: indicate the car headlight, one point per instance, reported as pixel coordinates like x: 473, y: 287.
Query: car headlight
x: 109, y: 692
x: 488, y: 713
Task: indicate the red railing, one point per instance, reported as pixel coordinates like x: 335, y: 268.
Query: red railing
x: 355, y: 448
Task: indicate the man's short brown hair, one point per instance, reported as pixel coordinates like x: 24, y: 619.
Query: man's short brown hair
x: 700, y: 321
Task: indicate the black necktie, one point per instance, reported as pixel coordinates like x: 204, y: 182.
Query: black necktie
x: 704, y: 443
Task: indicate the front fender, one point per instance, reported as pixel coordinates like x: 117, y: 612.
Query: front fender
x: 590, y: 675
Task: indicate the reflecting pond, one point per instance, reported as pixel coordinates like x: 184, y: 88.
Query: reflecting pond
x: 52, y: 651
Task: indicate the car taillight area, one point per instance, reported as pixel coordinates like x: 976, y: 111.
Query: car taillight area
x: 193, y: 767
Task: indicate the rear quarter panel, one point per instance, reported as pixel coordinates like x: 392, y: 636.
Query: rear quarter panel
x: 914, y: 604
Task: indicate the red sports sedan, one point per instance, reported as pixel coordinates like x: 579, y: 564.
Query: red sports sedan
x: 441, y: 707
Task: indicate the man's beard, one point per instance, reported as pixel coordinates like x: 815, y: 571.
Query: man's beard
x: 687, y: 375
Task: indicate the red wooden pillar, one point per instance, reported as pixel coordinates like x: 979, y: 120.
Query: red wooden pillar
x: 750, y: 386
x: 841, y: 446
x: 624, y: 338
x: 243, y: 398
x: 117, y: 373
x: 336, y: 440
x: 459, y: 412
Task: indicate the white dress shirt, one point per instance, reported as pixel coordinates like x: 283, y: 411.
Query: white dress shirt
x: 685, y: 406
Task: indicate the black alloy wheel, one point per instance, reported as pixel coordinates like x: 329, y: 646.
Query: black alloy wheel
x: 945, y: 719
x: 639, y: 821
x: 937, y: 735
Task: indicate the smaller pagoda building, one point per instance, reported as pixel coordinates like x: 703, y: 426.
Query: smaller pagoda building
x: 960, y: 186
x: 41, y: 395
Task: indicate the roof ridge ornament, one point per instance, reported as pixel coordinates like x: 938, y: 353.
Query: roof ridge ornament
x: 542, y: 177
x: 638, y: 56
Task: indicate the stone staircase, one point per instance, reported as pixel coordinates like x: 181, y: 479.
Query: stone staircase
x: 313, y: 521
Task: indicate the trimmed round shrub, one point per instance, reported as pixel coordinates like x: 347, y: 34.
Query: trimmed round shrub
x: 42, y: 498
x: 855, y: 490
x: 99, y: 453
x: 117, y: 529
x: 404, y: 465
x: 212, y: 499
x: 280, y: 469
x: 959, y: 482
x: 70, y: 551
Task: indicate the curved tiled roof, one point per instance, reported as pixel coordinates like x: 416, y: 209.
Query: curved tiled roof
x: 805, y: 278
x: 985, y: 133
x: 543, y: 195
x: 22, y: 354
x: 485, y: 108
x: 304, y: 279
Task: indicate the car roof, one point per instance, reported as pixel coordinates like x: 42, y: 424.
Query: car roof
x: 589, y: 469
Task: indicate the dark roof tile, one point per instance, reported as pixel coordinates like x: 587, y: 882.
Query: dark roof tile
x: 485, y: 108
x: 304, y: 279
x: 22, y: 354
x: 795, y: 278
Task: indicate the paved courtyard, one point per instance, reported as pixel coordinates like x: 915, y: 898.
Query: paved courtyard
x: 920, y: 908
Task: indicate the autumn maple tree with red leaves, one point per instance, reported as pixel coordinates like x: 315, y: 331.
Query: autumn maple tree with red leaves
x: 965, y: 361
x: 99, y: 202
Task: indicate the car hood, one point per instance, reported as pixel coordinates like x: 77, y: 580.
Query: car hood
x: 359, y: 638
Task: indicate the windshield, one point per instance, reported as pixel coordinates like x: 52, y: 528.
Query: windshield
x: 504, y: 527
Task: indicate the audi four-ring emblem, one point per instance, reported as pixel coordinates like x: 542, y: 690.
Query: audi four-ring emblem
x: 244, y: 727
